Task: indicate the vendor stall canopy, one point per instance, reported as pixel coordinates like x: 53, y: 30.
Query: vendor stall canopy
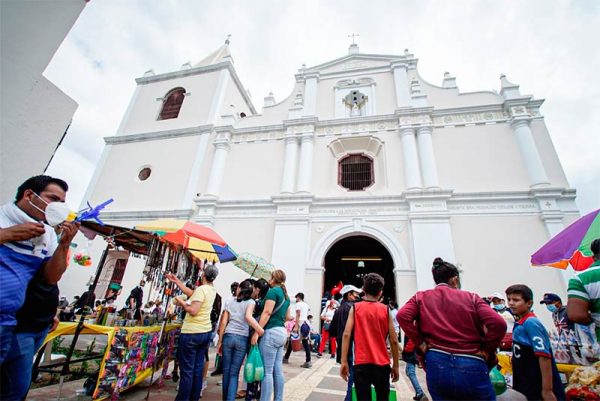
x: 136, y: 241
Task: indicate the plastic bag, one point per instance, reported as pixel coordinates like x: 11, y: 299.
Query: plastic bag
x: 254, y: 369
x: 259, y: 367
x: 498, y: 381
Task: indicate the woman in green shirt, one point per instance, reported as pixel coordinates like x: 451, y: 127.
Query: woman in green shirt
x: 275, y: 313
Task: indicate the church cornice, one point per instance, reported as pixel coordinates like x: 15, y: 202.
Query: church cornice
x: 447, y: 117
x: 157, y: 135
x: 379, y: 207
x: 135, y: 215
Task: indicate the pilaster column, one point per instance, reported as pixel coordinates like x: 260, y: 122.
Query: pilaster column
x: 218, y: 166
x: 401, y: 84
x: 529, y: 151
x: 410, y: 158
x: 289, y: 166
x: 306, y: 162
x: 427, y: 157
x: 310, y: 94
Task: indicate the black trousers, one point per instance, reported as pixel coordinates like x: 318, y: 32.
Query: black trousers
x: 366, y: 375
x: 305, y: 344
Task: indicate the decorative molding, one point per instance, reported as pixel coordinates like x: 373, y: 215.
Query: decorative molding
x: 158, y: 135
x: 147, y: 215
x: 372, y: 208
x: 368, y: 144
x: 354, y: 83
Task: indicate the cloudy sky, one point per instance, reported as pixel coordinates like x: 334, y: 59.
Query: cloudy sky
x: 548, y: 47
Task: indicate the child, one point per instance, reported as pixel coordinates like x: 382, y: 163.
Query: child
x: 409, y: 356
x: 534, y: 370
x: 370, y: 323
x: 315, y: 337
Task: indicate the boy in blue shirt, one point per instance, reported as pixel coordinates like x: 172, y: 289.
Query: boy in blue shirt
x: 534, y: 369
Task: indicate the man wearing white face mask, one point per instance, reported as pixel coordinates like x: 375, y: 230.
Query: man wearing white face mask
x: 499, y: 305
x: 28, y: 245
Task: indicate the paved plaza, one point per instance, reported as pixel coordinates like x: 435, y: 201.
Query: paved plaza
x: 320, y: 383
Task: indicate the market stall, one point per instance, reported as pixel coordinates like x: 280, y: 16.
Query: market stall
x: 136, y: 349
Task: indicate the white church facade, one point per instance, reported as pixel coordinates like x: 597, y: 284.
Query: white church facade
x: 364, y: 167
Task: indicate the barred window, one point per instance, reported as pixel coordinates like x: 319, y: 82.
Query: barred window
x: 172, y: 104
x: 355, y: 172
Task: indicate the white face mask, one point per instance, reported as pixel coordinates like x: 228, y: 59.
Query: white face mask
x: 56, y: 212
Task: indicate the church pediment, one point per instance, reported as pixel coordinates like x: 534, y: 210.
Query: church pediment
x: 355, y: 62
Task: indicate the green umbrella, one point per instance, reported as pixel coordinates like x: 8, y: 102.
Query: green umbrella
x: 254, y: 265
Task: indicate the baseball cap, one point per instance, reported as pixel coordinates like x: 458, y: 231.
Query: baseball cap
x: 549, y: 298
x: 498, y: 295
x: 349, y: 287
x: 211, y: 272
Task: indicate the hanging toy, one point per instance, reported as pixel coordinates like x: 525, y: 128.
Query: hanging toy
x: 83, y: 258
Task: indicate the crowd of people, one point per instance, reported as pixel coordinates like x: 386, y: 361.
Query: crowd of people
x: 451, y: 333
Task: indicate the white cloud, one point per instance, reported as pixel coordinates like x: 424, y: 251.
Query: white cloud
x: 547, y: 47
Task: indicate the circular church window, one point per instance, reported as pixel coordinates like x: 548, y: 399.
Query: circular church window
x: 144, y: 173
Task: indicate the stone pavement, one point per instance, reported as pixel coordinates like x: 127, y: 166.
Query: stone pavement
x: 319, y: 383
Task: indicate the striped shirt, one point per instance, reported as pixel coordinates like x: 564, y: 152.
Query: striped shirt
x: 586, y: 286
x: 19, y: 262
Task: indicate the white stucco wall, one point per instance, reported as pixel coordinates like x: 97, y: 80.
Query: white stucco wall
x: 253, y: 170
x: 494, y: 253
x: 233, y: 98
x: 479, y: 158
x: 144, y: 113
x: 170, y: 160
x: 548, y: 154
x: 35, y: 113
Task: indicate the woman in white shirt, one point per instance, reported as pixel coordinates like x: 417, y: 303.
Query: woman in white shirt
x: 233, y: 336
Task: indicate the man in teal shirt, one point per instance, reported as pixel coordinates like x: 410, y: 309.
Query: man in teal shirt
x: 584, y: 293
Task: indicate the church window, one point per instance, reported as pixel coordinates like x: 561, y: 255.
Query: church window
x: 144, y: 173
x: 172, y: 104
x: 355, y: 172
x: 355, y: 101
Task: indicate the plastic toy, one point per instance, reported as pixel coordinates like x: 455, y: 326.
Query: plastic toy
x: 93, y: 212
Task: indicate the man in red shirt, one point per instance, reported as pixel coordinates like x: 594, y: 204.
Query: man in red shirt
x: 458, y: 333
x: 371, y: 324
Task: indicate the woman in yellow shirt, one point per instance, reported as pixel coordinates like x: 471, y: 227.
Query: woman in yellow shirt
x: 196, y: 332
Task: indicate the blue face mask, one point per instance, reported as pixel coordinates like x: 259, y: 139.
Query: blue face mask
x: 499, y: 306
x: 551, y: 307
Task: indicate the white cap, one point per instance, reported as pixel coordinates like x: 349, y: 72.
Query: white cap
x: 347, y: 288
x: 497, y: 295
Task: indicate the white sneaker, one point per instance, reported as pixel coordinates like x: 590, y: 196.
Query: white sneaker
x: 204, y: 385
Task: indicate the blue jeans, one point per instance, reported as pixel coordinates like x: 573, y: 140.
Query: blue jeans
x: 192, y: 348
x: 271, y: 350
x: 456, y: 377
x: 6, y: 337
x: 16, y: 369
x: 316, y: 339
x: 411, y: 373
x: 350, y: 377
x: 235, y: 347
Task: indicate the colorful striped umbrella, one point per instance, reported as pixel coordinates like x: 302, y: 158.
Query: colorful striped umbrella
x: 571, y: 245
x: 202, y: 242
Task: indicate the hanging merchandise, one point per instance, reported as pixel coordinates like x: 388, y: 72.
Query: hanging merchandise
x: 83, y: 257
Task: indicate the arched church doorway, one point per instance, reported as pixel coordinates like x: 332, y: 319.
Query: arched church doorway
x: 350, y: 258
